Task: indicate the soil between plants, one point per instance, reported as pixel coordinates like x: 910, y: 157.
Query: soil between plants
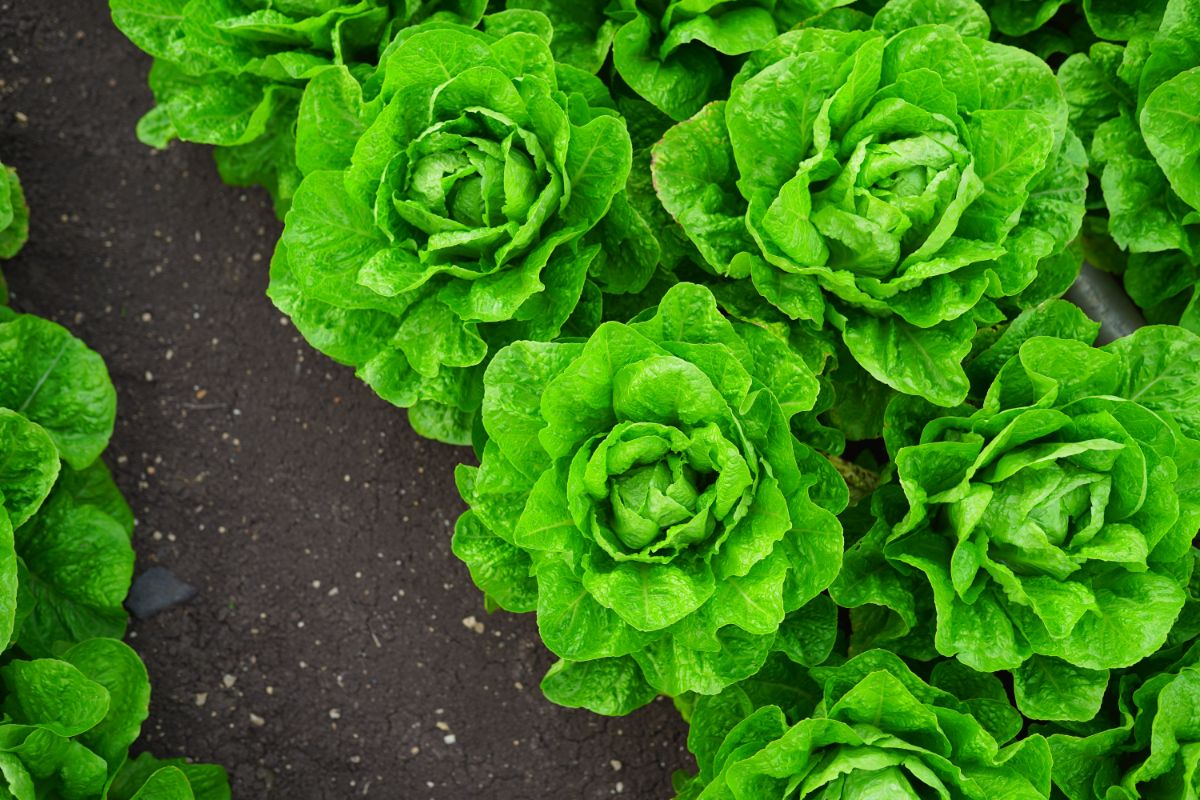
x: 337, y: 649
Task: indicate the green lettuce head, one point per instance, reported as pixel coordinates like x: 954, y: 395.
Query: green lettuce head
x: 461, y: 207
x: 1050, y: 530
x: 877, y: 731
x: 642, y: 493
x: 1134, y: 106
x: 230, y: 72
x: 895, y: 184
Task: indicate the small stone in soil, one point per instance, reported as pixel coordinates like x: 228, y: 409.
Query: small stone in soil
x: 156, y: 590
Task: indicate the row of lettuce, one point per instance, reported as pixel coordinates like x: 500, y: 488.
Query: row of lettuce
x: 73, y: 696
x: 750, y: 309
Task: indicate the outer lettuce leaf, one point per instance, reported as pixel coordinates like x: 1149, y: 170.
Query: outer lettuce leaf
x: 1021, y: 17
x: 76, y: 564
x: 14, y: 219
x: 642, y: 492
x: 53, y: 379
x: 904, y: 247
x: 1050, y: 529
x: 150, y: 778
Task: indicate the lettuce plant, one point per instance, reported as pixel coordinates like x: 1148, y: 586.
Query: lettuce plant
x: 1133, y: 105
x: 877, y: 731
x: 14, y: 220
x: 1048, y: 531
x: 69, y: 560
x: 895, y: 184
x: 230, y: 72
x: 68, y: 725
x: 642, y: 493
x: 73, y: 702
x: 464, y: 205
x: 677, y: 55
x: 1144, y: 744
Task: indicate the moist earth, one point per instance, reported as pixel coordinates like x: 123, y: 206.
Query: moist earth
x: 336, y: 648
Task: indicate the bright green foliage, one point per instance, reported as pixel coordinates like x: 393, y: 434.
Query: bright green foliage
x: 53, y: 379
x: 69, y: 722
x: 677, y: 55
x: 501, y: 221
x: 14, y: 213
x: 895, y: 184
x: 878, y: 731
x: 1145, y: 742
x: 642, y: 492
x: 1135, y: 105
x: 149, y: 778
x: 462, y: 207
x: 14, y: 220
x: 1050, y: 530
x: 1061, y: 25
x: 73, y: 702
x: 69, y: 560
x: 230, y: 72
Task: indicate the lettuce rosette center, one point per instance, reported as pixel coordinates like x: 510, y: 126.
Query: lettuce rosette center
x: 644, y: 494
x: 1049, y: 493
x: 478, y: 187
x: 650, y: 491
x: 885, y: 201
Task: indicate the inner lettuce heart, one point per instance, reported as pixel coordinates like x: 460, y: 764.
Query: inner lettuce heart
x: 642, y: 492
x: 903, y: 185
x: 1050, y: 530
x: 458, y: 200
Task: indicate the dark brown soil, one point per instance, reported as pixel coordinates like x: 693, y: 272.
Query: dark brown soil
x: 336, y: 649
